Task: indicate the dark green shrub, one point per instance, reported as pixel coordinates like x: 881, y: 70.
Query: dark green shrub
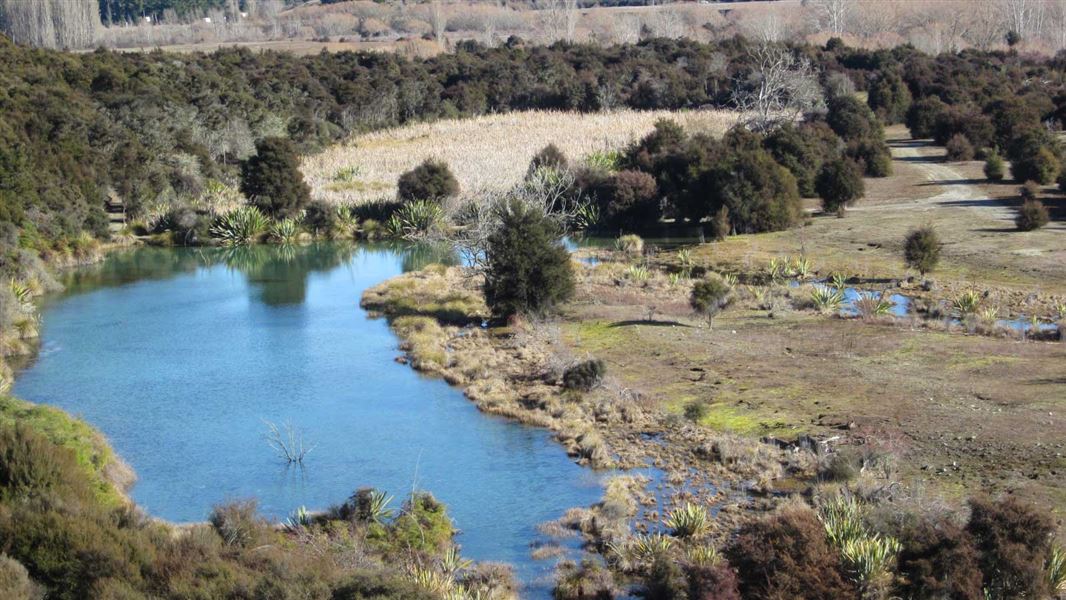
x: 431, y: 180
x: 1037, y: 164
x: 272, y: 179
x: 922, y: 116
x: 549, y: 157
x: 1014, y: 542
x: 874, y: 156
x: 629, y: 199
x: 710, y: 295
x: 528, y: 268
x: 921, y: 250
x: 585, y: 375
x: 320, y: 217
x: 889, y: 97
x: 760, y: 194
x: 803, y: 150
x: 939, y: 560
x: 959, y: 148
x: 853, y: 120
x: 1062, y: 178
x: 995, y: 169
x: 1032, y: 214
x: 839, y: 185
x: 786, y: 556
x: 955, y: 120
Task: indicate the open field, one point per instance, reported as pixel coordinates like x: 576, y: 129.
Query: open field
x: 486, y: 153
x: 961, y: 412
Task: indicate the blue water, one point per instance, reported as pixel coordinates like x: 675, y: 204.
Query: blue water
x: 180, y: 355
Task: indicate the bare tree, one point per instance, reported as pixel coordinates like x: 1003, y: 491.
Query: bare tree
x: 437, y: 20
x: 780, y: 88
x: 832, y: 15
x: 51, y: 23
x: 548, y: 192
x: 558, y: 18
x: 1023, y: 17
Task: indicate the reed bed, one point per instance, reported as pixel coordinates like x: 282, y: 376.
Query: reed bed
x: 486, y: 153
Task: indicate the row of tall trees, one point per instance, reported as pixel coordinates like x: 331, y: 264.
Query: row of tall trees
x: 50, y: 23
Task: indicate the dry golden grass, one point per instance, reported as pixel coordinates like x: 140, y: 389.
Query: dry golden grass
x: 485, y: 153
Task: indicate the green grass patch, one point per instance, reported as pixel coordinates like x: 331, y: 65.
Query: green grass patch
x: 357, y: 186
x: 597, y: 335
x: 426, y: 293
x: 90, y: 447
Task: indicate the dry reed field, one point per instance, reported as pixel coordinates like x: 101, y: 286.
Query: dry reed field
x: 485, y: 153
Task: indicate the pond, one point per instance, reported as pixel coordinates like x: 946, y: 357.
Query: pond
x: 182, y: 356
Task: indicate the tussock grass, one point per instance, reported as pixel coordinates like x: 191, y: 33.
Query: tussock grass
x: 487, y: 153
x: 429, y: 293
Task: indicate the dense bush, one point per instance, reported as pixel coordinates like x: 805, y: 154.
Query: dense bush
x: 760, y: 194
x: 585, y: 375
x: 423, y: 526
x: 1062, y: 178
x: 959, y: 148
x: 839, y: 185
x: 1037, y: 164
x: 1014, y: 542
x: 628, y: 199
x: 549, y: 157
x: 320, y: 217
x: 803, y: 150
x: 889, y: 97
x: 431, y: 180
x: 922, y: 116
x: 32, y: 467
x: 995, y: 169
x: 712, y: 582
x: 921, y: 250
x: 939, y: 560
x: 528, y: 268
x: 272, y: 178
x: 786, y: 556
x: 1032, y: 214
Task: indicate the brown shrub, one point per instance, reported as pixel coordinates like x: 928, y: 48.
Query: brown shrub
x: 1014, y: 541
x: 718, y: 582
x: 939, y: 560
x: 785, y: 556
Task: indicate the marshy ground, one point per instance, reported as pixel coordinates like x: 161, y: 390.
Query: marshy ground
x: 955, y: 411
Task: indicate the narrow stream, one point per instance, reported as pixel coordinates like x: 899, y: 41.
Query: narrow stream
x: 182, y: 356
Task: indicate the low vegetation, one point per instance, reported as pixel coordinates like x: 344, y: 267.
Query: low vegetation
x: 57, y: 508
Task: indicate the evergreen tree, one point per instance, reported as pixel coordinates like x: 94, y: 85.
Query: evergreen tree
x: 272, y: 179
x: 839, y: 185
x: 528, y: 267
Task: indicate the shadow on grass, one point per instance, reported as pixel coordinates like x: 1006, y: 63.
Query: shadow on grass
x: 652, y: 323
